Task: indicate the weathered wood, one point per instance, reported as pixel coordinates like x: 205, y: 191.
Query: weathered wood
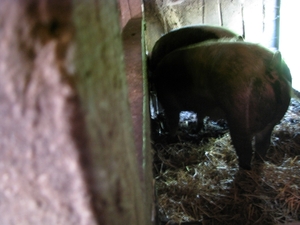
x: 261, y: 22
x: 134, y: 56
x: 212, y: 12
x: 257, y: 20
x: 231, y: 15
x: 271, y: 24
x: 253, y: 20
x: 102, y: 87
x: 134, y: 73
x: 190, y: 12
x: 153, y: 24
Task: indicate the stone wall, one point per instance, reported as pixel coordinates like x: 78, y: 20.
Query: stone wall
x: 67, y: 152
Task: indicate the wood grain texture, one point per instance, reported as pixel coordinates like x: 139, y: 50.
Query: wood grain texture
x: 112, y: 163
x: 212, y: 12
x: 228, y: 9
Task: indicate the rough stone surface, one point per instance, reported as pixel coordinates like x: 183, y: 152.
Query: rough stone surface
x: 41, y: 177
x: 67, y: 152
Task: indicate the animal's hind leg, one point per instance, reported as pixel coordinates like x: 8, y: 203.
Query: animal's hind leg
x: 262, y: 142
x: 200, y: 123
x: 243, y: 147
x: 172, y: 119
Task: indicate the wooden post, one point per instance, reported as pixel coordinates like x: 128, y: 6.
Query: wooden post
x: 102, y: 87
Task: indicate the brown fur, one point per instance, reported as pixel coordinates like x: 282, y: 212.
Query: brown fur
x: 247, y: 83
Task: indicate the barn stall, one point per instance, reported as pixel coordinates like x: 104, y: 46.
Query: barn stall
x: 66, y: 126
x: 197, y: 179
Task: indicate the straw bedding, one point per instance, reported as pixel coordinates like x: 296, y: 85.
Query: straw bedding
x: 198, y: 180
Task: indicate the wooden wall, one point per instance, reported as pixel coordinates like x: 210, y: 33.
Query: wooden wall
x: 135, y: 66
x: 256, y: 20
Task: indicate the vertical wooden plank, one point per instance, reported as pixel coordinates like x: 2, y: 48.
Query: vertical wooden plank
x: 192, y: 12
x: 231, y: 15
x: 253, y: 20
x: 111, y: 164
x: 288, y: 48
x: 138, y: 93
x: 148, y: 191
x: 212, y: 12
x: 271, y: 23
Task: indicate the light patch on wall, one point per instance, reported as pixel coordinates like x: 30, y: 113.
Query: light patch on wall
x: 289, y: 35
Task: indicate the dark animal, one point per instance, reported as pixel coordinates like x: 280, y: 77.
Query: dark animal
x: 185, y: 36
x: 244, y: 83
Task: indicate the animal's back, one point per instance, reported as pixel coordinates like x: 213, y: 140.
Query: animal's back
x: 248, y: 83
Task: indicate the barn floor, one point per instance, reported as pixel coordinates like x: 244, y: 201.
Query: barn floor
x: 198, y: 180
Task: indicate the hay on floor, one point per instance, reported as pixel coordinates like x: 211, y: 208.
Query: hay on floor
x: 201, y: 183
